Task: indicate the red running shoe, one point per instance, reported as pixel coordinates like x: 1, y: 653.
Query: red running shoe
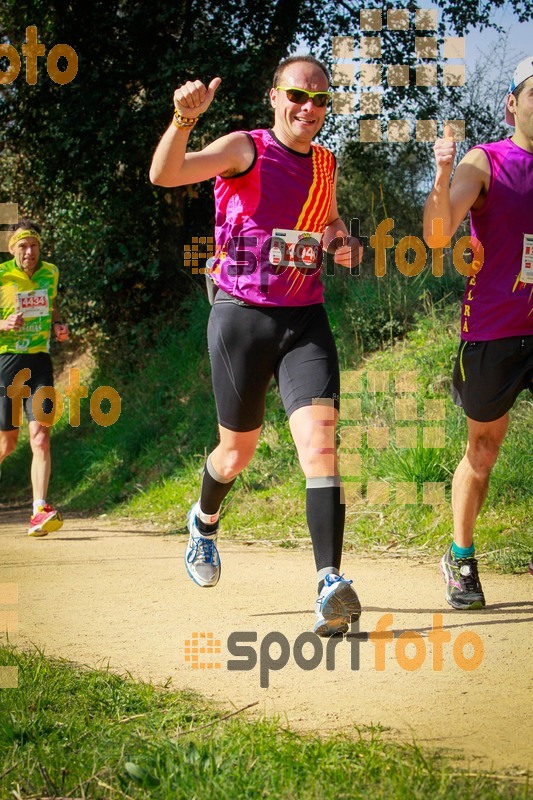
x: 45, y: 521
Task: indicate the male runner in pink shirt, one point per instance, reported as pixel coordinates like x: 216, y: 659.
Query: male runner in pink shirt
x: 494, y: 182
x: 275, y: 211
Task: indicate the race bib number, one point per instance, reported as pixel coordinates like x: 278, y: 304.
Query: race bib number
x: 294, y: 248
x: 33, y: 304
x: 526, y: 273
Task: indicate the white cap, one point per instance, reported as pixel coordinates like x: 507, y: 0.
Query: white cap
x: 523, y: 71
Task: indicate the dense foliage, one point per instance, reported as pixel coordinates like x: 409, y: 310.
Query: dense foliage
x: 76, y: 156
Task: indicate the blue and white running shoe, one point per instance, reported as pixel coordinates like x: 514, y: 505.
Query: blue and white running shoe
x: 336, y: 606
x: 201, y: 555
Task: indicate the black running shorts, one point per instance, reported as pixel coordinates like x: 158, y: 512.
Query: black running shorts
x: 249, y: 345
x: 489, y: 376
x: 40, y: 366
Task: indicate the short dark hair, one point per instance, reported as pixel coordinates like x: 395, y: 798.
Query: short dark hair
x: 25, y: 223
x: 298, y: 60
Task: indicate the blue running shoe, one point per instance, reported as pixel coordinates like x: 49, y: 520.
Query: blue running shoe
x: 336, y: 606
x: 201, y: 555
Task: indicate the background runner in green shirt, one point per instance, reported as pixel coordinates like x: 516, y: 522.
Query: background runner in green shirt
x: 28, y: 315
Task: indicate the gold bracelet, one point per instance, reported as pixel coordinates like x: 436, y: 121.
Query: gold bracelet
x: 180, y: 125
x: 184, y: 122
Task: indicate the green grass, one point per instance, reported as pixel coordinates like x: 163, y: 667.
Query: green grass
x: 74, y: 732
x: 148, y: 464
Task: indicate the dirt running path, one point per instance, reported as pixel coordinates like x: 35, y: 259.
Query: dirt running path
x: 97, y: 592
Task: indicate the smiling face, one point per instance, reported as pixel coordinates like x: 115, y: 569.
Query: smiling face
x: 26, y: 253
x: 296, y: 124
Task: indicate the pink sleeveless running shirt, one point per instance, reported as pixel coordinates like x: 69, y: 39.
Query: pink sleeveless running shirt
x: 269, y: 224
x: 497, y: 304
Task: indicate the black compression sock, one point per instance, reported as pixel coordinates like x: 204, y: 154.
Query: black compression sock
x: 325, y: 519
x: 214, y: 490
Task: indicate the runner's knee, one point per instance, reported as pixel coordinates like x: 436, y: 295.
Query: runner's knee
x: 40, y: 440
x: 483, y: 453
x: 229, y: 461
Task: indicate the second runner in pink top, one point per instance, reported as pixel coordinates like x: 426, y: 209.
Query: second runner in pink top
x: 497, y: 304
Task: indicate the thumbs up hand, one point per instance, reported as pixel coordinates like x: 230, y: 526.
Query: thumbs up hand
x: 444, y: 150
x: 193, y: 98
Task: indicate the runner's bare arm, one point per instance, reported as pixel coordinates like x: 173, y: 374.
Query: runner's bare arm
x: 173, y: 166
x: 226, y: 156
x: 451, y: 203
